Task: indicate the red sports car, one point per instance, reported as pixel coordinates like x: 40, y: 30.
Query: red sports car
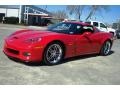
x: 63, y: 40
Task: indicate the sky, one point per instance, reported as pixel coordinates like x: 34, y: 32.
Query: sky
x: 110, y: 16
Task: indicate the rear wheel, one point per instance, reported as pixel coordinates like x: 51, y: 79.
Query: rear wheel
x: 53, y: 54
x: 106, y: 48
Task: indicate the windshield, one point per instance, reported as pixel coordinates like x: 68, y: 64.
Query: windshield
x: 60, y: 27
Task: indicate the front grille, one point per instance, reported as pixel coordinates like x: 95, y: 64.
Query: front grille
x: 12, y: 51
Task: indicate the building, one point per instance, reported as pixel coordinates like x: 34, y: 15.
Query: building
x: 28, y: 14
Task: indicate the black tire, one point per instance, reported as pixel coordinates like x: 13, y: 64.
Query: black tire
x: 112, y: 33
x: 56, y: 57
x: 106, y: 48
x: 118, y: 36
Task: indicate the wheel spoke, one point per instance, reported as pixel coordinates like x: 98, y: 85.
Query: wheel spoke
x: 54, y: 53
x: 50, y: 50
x: 50, y: 57
x: 107, y: 48
x: 55, y: 48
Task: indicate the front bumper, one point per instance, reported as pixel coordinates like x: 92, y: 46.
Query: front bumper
x: 32, y: 54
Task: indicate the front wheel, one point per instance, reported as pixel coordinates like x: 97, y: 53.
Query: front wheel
x: 106, y: 48
x: 53, y: 54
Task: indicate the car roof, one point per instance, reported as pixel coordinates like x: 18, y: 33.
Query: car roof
x: 94, y: 21
x: 77, y: 22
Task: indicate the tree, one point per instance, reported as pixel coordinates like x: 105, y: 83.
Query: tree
x: 118, y: 24
x: 115, y: 25
x: 60, y: 14
x: 92, y: 10
x: 96, y: 8
x: 76, y: 9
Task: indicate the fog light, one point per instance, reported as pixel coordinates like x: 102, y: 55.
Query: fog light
x: 26, y: 54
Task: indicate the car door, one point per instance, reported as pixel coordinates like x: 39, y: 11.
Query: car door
x: 83, y: 42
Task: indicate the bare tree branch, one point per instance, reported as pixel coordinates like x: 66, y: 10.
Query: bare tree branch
x: 60, y: 14
x: 76, y: 9
x: 96, y: 8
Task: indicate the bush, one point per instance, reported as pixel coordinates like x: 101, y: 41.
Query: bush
x: 11, y: 20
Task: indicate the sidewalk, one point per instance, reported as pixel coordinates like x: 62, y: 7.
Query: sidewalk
x: 14, y: 27
x: 38, y: 27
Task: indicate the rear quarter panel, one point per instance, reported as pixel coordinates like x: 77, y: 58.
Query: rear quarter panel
x: 105, y: 37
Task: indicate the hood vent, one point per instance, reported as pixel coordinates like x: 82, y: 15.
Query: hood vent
x: 15, y: 37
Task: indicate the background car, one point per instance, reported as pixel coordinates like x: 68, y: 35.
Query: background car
x: 101, y: 26
x: 118, y: 34
x: 60, y: 41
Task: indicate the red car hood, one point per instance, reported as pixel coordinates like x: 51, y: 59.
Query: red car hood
x: 20, y: 36
x: 26, y: 34
x: 33, y: 33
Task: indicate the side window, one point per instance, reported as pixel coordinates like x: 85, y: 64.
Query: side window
x: 87, y: 29
x: 76, y: 29
x: 95, y: 24
x: 62, y: 26
x: 102, y: 25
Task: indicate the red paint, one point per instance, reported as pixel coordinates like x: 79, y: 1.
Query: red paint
x: 86, y: 43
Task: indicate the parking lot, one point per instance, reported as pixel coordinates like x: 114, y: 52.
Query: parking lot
x: 89, y: 69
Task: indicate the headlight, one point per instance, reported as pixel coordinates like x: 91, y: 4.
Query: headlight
x: 33, y: 40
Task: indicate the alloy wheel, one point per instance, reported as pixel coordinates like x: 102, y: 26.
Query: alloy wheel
x: 106, y: 48
x: 54, y: 53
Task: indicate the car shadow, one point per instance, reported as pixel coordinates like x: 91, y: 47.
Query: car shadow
x: 26, y: 63
x: 81, y: 57
x: 111, y: 52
